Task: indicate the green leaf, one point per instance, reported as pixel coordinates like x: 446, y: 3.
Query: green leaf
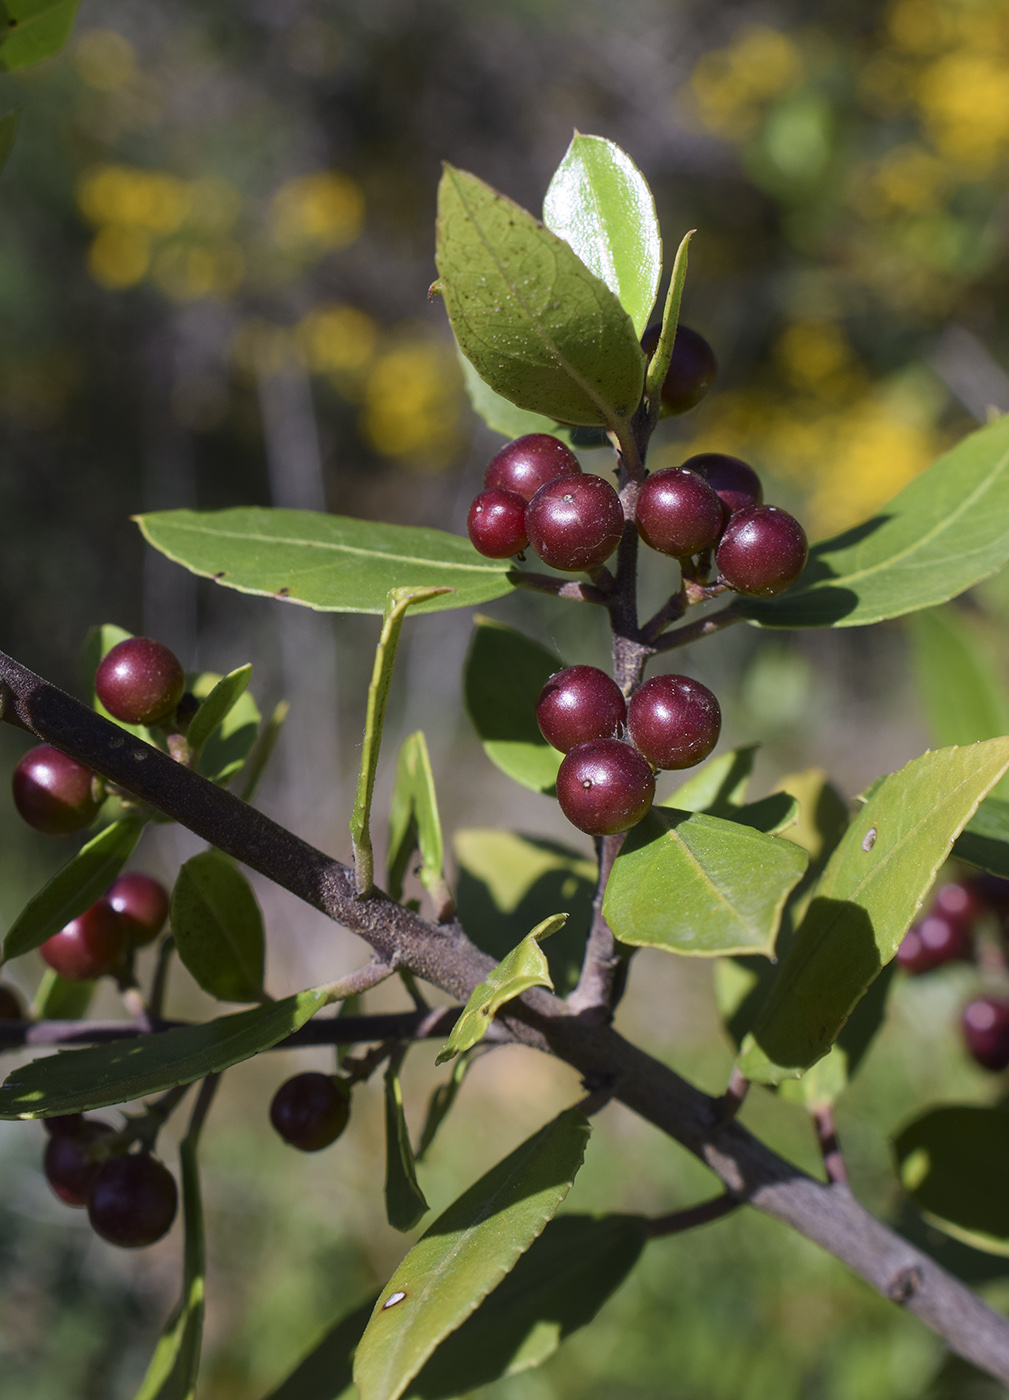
x: 329, y: 562
x: 502, y: 679
x: 439, y: 1105
x: 76, y: 1081
x: 984, y: 841
x: 953, y: 1163
x: 404, y: 1200
x: 59, y: 999
x: 325, y: 1373
x: 36, y: 29
x: 414, y: 822
x: 945, y: 532
x: 505, y: 418
x: 217, y: 705
x: 557, y: 1286
x: 259, y: 755
x: 824, y: 1083
x: 8, y: 131
x: 538, y: 326
x: 75, y: 887
x: 218, y: 928
x: 701, y: 885
x: 600, y: 204
x: 465, y: 1254
x: 868, y: 894
x: 524, y: 967
x: 658, y: 367
x: 718, y: 786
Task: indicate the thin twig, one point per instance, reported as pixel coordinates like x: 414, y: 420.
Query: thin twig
x: 735, y: 1094
x: 694, y: 631
x: 571, y: 589
x: 830, y: 1148
x: 603, y: 955
x: 679, y: 1220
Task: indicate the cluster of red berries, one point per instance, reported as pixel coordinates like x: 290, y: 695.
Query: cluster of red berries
x: 131, y: 1198
x: 130, y: 914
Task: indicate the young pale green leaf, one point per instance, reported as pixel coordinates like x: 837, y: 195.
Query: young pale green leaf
x: 658, y: 366
x: 229, y: 746
x: 718, y: 786
x: 701, y: 885
x: 599, y: 202
x: 946, y: 531
x: 217, y: 705
x: 76, y: 1081
x: 218, y: 928
x: 8, y: 131
x: 503, y: 676
x: 414, y: 822
x: 439, y: 1105
x: 36, y: 29
x: 558, y: 1286
x: 984, y: 841
x: 404, y: 1200
x: 325, y: 1372
x: 524, y: 967
x: 59, y: 999
x: 262, y: 748
x: 75, y: 887
x: 537, y: 325
x: 465, y: 1254
x: 868, y: 894
x: 953, y: 1163
x: 329, y: 562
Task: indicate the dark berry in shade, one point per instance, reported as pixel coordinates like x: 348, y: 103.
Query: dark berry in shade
x: 733, y: 481
x: 984, y: 1023
x: 142, y: 904
x: 579, y: 704
x: 63, y: 1123
x: 89, y: 946
x: 575, y: 522
x: 691, y: 370
x: 678, y: 513
x: 961, y: 902
x: 994, y: 891
x: 53, y: 792
x: 140, y: 681
x: 132, y: 1201
x: 10, y: 1005
x: 932, y: 941
x: 528, y: 463
x: 674, y: 721
x: 310, y: 1110
x: 497, y: 524
x: 605, y: 787
x: 762, y: 551
x: 70, y: 1164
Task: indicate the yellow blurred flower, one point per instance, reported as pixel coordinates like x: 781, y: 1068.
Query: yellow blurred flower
x: 105, y: 59
x: 119, y: 257
x: 412, y: 405
x: 337, y: 339
x: 728, y: 86
x: 323, y: 212
x: 964, y: 102
x: 186, y: 272
x: 149, y: 200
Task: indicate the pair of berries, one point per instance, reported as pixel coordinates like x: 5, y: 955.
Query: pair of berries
x: 130, y: 914
x: 311, y: 1110
x: 131, y: 1199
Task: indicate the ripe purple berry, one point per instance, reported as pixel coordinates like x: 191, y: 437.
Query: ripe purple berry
x: 497, y: 523
x: 932, y: 941
x: 960, y: 901
x: 132, y: 1201
x: 734, y: 482
x: 605, y: 787
x: 53, y: 792
x: 71, y: 1163
x: 678, y: 513
x: 762, y: 551
x: 142, y: 904
x: 528, y: 463
x: 310, y: 1110
x: 984, y: 1023
x: 674, y: 721
x: 89, y: 946
x: 691, y: 369
x: 575, y: 522
x: 578, y: 705
x: 140, y: 681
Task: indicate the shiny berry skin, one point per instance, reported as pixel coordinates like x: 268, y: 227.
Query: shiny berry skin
x: 10, y: 1005
x: 605, y: 787
x: 310, y: 1110
x: 575, y: 522
x: 678, y: 513
x: 579, y: 704
x: 691, y: 370
x: 932, y: 941
x: 762, y: 551
x: 674, y: 721
x: 68, y: 1164
x: 528, y: 463
x: 140, y: 681
x: 961, y: 902
x: 53, y: 792
x: 89, y: 946
x: 132, y: 1201
x: 733, y: 481
x: 497, y: 524
x: 142, y: 904
x: 984, y: 1024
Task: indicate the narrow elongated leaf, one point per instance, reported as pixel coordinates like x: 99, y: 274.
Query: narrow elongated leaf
x: 720, y: 784
x: 984, y: 841
x: 465, y: 1254
x: 414, y: 822
x: 75, y: 887
x: 504, y: 674
x: 868, y: 894
x: 524, y: 967
x: 404, y: 1200
x: 35, y: 29
x: 329, y: 562
x: 953, y: 1163
x: 325, y: 1373
x: 537, y: 325
x: 59, y: 999
x: 225, y: 753
x: 701, y: 885
x: 218, y: 928
x: 76, y: 1081
x: 217, y: 705
x: 262, y: 748
x: 439, y: 1105
x: 599, y: 202
x: 946, y: 531
x: 8, y: 131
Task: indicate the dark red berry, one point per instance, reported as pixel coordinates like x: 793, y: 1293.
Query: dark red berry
x: 735, y: 483
x: 497, y: 524
x: 70, y: 1162
x: 932, y: 941
x: 53, y: 792
x: 10, y: 1005
x: 142, y: 905
x: 678, y: 513
x: 132, y: 1201
x: 993, y: 891
x: 89, y: 946
x: 528, y: 463
x: 605, y: 787
x: 140, y: 681
x: 762, y: 551
x: 960, y: 901
x: 579, y: 704
x: 310, y: 1110
x: 575, y: 522
x: 63, y: 1123
x: 691, y: 369
x: 984, y: 1023
x: 674, y: 721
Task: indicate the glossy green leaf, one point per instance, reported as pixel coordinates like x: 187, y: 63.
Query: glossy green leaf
x: 325, y: 1373
x: 868, y: 894
x: 824, y: 1083
x: 414, y: 822
x: 701, y: 885
x: 465, y: 1254
x: 984, y: 841
x: 329, y: 562
x: 599, y: 202
x: 218, y: 928
x: 718, y: 785
x: 512, y: 422
x: 59, y: 999
x: 217, y: 705
x: 524, y: 967
x: 440, y: 1104
x: 75, y: 887
x: 945, y: 532
x: 404, y: 1200
x: 76, y: 1081
x: 953, y: 1163
x: 8, y: 131
x: 262, y: 749
x: 537, y: 325
x: 503, y: 676
x: 36, y: 29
